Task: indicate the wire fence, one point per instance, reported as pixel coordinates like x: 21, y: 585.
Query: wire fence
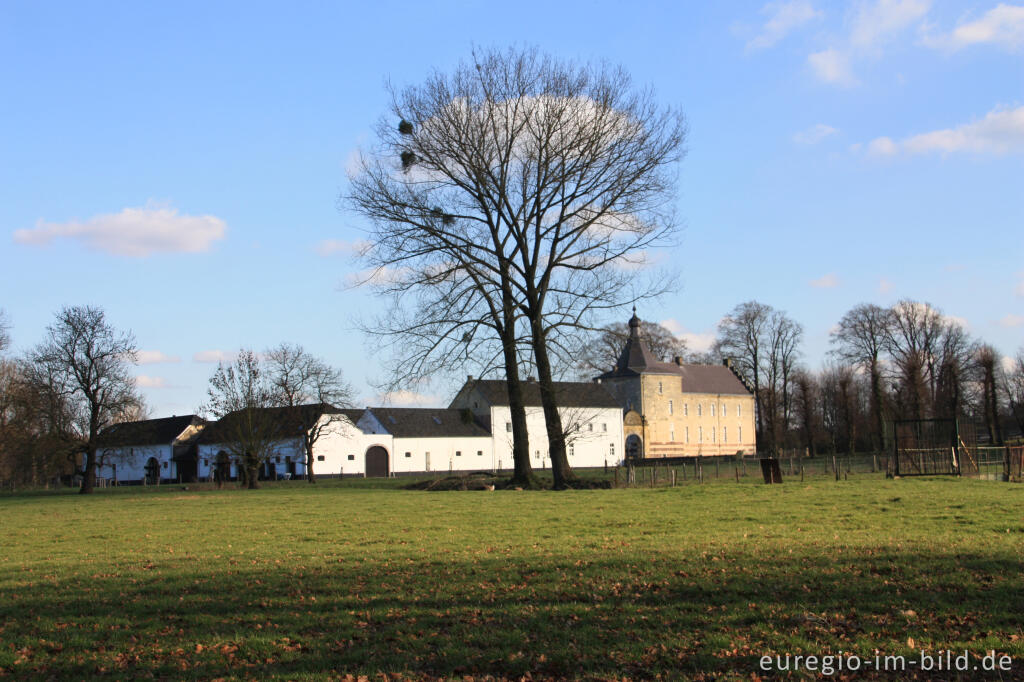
x: 988, y: 463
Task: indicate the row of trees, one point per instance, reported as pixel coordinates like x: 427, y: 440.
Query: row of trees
x: 908, y: 361
x: 58, y: 397
x: 246, y: 391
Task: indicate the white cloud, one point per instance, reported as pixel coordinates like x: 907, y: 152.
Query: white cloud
x: 144, y: 381
x: 330, y: 247
x: 814, y: 134
x: 1009, y: 363
x: 832, y: 66
x: 1000, y: 132
x: 382, y: 276
x: 783, y: 19
x: 882, y: 146
x: 829, y: 281
x: 880, y: 23
x: 155, y: 357
x: 1003, y: 25
x: 1012, y: 320
x: 134, y: 232
x: 873, y: 26
x: 962, y: 321
x: 884, y: 286
x: 214, y: 356
x: 697, y: 342
x: 405, y: 398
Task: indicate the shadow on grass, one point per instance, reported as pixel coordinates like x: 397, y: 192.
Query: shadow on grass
x: 629, y: 615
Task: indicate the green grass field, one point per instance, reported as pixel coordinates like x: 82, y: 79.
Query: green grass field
x: 358, y: 577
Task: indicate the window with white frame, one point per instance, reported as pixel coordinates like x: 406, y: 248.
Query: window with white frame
x: 712, y: 409
x: 700, y: 409
x: 611, y: 449
x: 572, y: 450
x: 686, y: 409
x: 739, y: 434
x: 712, y: 434
x: 725, y: 436
x: 672, y: 433
x: 604, y: 427
x: 739, y: 410
x: 671, y: 407
x: 659, y: 388
x: 508, y: 427
x: 686, y: 433
x: 700, y: 434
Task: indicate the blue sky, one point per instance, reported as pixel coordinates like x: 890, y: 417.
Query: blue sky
x: 180, y: 163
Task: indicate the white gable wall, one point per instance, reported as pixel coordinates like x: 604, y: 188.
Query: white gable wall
x: 129, y: 463
x: 340, y: 450
x: 418, y: 454
x: 597, y: 440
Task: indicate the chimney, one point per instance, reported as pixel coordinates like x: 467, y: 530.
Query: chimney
x: 469, y: 378
x: 678, y: 360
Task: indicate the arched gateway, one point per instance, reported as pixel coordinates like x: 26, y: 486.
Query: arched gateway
x: 377, y: 462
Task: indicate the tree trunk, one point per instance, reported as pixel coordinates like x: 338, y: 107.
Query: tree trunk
x: 876, y: 398
x: 522, y: 475
x: 89, y: 474
x: 252, y: 474
x: 310, y: 476
x: 561, y: 472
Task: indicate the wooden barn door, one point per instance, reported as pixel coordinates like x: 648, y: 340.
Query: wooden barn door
x: 377, y: 462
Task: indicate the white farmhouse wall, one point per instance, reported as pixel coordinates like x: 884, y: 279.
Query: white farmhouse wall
x: 595, y: 439
x: 466, y: 453
x: 129, y: 463
x: 340, y: 450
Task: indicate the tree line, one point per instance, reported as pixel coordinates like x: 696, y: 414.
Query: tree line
x: 58, y: 397
x: 907, y: 361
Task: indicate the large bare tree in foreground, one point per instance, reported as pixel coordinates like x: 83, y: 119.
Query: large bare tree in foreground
x: 83, y: 366
x: 514, y: 199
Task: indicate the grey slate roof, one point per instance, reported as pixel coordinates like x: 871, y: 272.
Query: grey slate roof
x: 711, y: 379
x: 636, y: 359
x: 146, y: 432
x: 568, y: 393
x: 428, y: 422
x: 282, y: 422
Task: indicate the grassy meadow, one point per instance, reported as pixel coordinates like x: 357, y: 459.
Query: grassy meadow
x: 361, y: 578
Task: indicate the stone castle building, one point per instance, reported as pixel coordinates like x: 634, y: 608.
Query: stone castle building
x: 674, y: 409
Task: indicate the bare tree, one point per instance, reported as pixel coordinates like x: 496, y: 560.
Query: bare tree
x: 603, y: 348
x: 988, y: 362
x: 537, y: 184
x: 300, y: 378
x: 1012, y: 385
x: 839, y: 392
x: 5, y: 331
x: 859, y: 340
x: 807, y: 408
x: 741, y: 338
x: 784, y: 336
x: 84, y: 364
x: 240, y: 394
